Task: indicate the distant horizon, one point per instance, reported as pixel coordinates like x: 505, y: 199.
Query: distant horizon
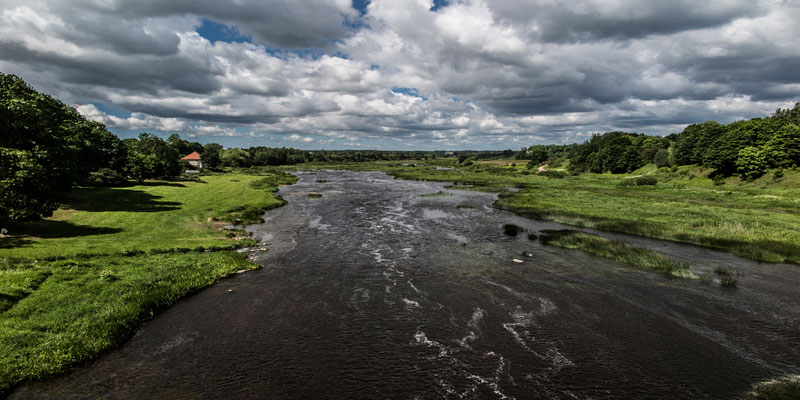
x: 405, y: 75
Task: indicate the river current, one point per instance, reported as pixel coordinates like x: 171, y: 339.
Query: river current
x: 376, y: 290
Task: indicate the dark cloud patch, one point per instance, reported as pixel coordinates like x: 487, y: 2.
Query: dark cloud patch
x: 282, y: 23
x: 587, y: 21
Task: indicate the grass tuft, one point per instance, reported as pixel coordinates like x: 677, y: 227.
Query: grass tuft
x: 437, y: 194
x: 783, y: 388
x: 618, y: 251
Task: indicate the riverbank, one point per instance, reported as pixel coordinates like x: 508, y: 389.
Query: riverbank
x: 79, y: 283
x: 757, y: 219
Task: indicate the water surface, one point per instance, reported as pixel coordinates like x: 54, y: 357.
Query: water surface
x: 373, y: 291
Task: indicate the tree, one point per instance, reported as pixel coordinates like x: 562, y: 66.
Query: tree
x: 661, y: 158
x: 751, y: 162
x: 66, y: 144
x: 24, y: 186
x: 234, y: 158
x: 650, y: 146
x: 151, y: 157
x: 210, y: 155
x: 694, y: 140
x: 46, y: 146
x: 538, y: 155
x: 783, y: 149
x: 790, y: 115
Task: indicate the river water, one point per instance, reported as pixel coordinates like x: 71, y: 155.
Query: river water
x: 376, y: 291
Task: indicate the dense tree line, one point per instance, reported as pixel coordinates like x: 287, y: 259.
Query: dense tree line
x: 747, y: 147
x: 47, y: 147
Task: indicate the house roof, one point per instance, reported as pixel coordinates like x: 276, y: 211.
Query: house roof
x: 192, y: 157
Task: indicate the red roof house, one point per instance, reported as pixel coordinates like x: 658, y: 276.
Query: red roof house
x: 194, y: 160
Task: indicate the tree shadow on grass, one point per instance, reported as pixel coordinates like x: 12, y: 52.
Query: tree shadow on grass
x: 47, y: 229
x: 122, y: 199
x: 159, y: 183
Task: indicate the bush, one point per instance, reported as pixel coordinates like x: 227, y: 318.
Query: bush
x: 751, y: 162
x: 778, y: 174
x: 647, y: 180
x: 105, y: 177
x: 553, y: 174
x: 252, y: 213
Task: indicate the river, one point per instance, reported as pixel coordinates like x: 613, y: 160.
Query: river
x: 378, y: 291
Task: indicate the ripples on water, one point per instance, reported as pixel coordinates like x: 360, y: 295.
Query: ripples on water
x: 375, y: 292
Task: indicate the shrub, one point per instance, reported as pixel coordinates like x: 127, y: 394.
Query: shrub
x: 553, y: 174
x: 751, y: 162
x: 105, y: 177
x: 252, y: 213
x: 646, y: 180
x: 639, y: 181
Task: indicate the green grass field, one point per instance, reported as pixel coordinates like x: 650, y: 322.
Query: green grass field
x: 79, y: 283
x: 154, y: 215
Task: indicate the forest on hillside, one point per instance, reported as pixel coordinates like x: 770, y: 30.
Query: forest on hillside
x: 47, y: 148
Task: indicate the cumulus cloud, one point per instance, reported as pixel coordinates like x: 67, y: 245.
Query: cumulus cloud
x: 472, y: 74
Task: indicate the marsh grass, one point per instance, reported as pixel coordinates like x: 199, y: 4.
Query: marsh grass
x: 615, y: 250
x: 437, y: 194
x: 728, y: 281
x: 783, y: 388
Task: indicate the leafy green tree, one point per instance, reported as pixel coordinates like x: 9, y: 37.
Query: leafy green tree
x: 723, y: 152
x: 234, y: 158
x: 68, y: 145
x: 783, y: 149
x: 694, y: 140
x: 661, y: 158
x: 183, y: 147
x: 650, y: 145
x: 210, y: 155
x: 790, y: 115
x: 151, y: 157
x: 24, y: 186
x: 751, y: 162
x: 538, y: 155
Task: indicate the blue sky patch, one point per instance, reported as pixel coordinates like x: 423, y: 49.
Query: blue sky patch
x: 408, y: 92
x: 437, y: 4
x: 216, y: 32
x: 361, y: 6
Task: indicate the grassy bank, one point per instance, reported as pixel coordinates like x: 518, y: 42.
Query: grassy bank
x: 757, y: 219
x: 79, y: 283
x: 783, y: 388
x: 617, y: 251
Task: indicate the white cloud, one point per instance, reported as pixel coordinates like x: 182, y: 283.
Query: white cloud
x: 487, y: 72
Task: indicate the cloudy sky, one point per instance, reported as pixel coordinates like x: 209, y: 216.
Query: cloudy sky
x: 405, y: 74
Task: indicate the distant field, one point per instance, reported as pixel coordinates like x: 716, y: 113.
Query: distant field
x: 79, y: 283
